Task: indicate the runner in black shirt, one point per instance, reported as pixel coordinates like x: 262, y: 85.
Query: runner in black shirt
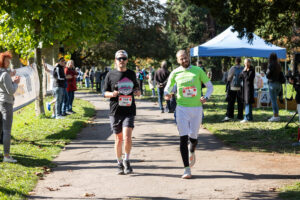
x: 121, y: 86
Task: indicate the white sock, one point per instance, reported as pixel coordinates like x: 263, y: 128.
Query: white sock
x: 126, y: 157
x: 120, y: 160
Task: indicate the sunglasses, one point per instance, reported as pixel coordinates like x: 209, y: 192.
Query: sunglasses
x: 122, y: 59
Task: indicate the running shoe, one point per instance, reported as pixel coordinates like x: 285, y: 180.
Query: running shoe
x: 48, y: 106
x: 128, y: 168
x: 59, y: 117
x: 9, y: 159
x: 120, y: 169
x: 274, y: 119
x: 226, y: 119
x: 187, y: 173
x: 244, y: 121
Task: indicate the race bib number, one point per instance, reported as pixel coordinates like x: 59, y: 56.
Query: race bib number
x: 125, y: 100
x: 189, y: 91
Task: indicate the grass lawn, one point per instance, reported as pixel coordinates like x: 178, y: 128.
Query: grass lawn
x: 259, y: 135
x: 35, y: 142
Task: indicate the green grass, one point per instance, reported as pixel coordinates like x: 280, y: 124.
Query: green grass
x: 291, y: 192
x: 259, y: 135
x: 35, y: 142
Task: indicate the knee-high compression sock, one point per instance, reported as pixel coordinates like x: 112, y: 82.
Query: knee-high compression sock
x: 193, y: 144
x: 184, y: 150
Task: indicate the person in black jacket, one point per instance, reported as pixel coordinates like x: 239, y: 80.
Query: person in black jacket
x: 161, y: 78
x: 59, y: 86
x: 248, y: 75
x: 274, y: 74
x: 295, y: 80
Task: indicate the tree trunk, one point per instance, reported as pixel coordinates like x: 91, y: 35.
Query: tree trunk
x: 39, y: 104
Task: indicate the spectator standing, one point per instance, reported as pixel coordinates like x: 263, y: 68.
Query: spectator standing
x: 161, y: 79
x: 48, y: 104
x: 275, y: 79
x: 151, y: 81
x: 79, y: 76
x: 71, y: 75
x: 98, y: 80
x: 86, y: 78
x: 8, y: 86
x: 59, y: 86
x: 247, y: 76
x: 92, y: 78
x: 102, y: 77
x: 140, y: 77
x: 66, y: 95
x: 234, y: 91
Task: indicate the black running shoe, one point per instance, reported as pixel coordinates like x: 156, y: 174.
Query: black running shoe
x: 128, y: 168
x: 120, y: 169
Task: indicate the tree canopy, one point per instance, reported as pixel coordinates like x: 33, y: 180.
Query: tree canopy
x: 275, y: 20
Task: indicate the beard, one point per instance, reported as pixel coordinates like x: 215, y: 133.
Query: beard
x: 185, y: 65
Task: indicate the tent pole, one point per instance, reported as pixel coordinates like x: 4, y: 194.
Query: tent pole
x: 285, y: 85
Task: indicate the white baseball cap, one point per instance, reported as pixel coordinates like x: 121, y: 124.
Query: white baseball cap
x: 121, y: 52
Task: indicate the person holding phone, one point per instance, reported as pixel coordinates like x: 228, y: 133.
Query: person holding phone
x: 8, y: 86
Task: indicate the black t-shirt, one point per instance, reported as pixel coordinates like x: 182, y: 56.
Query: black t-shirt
x: 125, y: 83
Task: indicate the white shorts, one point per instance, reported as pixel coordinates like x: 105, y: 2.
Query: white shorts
x: 188, y: 120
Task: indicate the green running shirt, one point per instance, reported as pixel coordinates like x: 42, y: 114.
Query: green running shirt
x: 188, y: 82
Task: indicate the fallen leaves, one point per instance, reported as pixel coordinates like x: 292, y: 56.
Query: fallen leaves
x: 52, y: 189
x: 65, y: 185
x: 88, y: 194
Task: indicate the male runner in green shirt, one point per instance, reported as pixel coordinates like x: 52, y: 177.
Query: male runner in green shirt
x: 188, y: 79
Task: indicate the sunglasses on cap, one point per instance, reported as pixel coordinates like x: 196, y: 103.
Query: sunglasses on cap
x: 122, y: 58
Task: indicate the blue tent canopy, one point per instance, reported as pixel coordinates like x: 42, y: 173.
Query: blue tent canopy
x: 227, y: 43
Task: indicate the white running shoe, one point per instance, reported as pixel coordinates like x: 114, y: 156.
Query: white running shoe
x: 187, y: 173
x: 9, y: 159
x: 226, y: 119
x: 192, y: 159
x: 274, y: 119
x: 244, y: 121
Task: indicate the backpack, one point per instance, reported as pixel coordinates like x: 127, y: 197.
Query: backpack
x: 237, y: 81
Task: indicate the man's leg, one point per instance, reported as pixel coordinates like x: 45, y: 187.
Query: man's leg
x: 118, y: 146
x: 183, y: 128
x: 160, y: 92
x: 116, y: 127
x: 230, y: 105
x: 127, y: 132
x: 240, y: 105
x: 195, y: 123
x: 128, y: 125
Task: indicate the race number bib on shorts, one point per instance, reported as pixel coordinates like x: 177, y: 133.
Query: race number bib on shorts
x: 125, y: 100
x: 189, y: 91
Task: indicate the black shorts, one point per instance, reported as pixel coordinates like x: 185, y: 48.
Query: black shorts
x: 118, y: 122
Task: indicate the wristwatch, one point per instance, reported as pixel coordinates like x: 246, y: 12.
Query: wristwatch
x: 206, y: 98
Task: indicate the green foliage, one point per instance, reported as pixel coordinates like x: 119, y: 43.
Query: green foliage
x: 186, y: 24
x: 35, y: 147
x: 70, y: 22
x: 141, y: 34
x: 272, y: 19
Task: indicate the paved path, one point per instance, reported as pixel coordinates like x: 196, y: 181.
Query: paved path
x: 87, y: 167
